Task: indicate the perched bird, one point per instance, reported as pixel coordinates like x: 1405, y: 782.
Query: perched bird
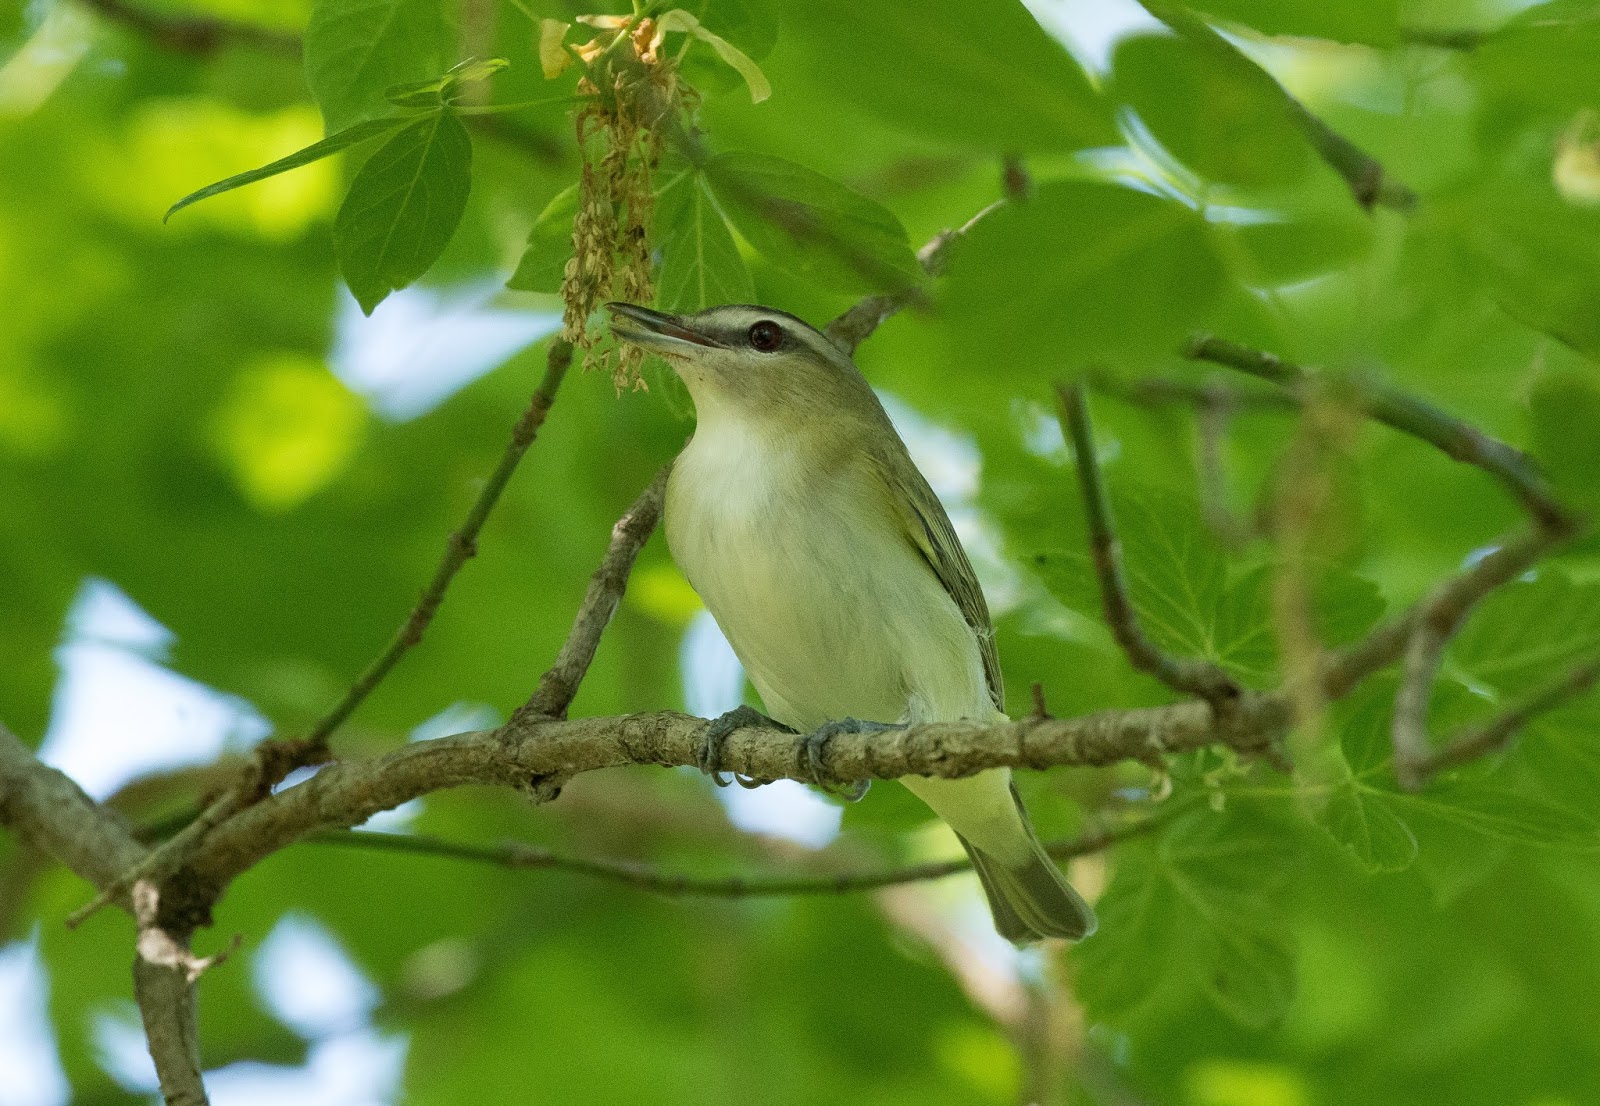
x: 799, y: 518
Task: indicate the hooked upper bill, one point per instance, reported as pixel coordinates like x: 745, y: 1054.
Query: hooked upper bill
x: 655, y: 329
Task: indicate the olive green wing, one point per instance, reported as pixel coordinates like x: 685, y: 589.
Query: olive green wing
x: 929, y: 531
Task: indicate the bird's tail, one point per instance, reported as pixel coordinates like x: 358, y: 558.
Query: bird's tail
x: 1032, y: 900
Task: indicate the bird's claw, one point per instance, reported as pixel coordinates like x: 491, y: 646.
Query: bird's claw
x: 814, y: 747
x: 716, y: 740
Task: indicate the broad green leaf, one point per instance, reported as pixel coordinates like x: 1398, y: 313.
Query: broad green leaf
x: 1080, y: 272
x: 1202, y: 902
x: 1565, y: 410
x: 1363, y: 819
x: 1496, y: 812
x: 1217, y: 113
x: 343, y: 140
x: 1528, y: 632
x: 1292, y: 249
x: 811, y: 225
x: 700, y: 264
x: 983, y: 75
x: 403, y: 207
x: 544, y: 258
x: 680, y: 20
x: 1543, y: 56
x: 355, y: 50
x: 1370, y: 22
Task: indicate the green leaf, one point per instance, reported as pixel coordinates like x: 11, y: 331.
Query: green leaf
x: 1201, y: 901
x: 1363, y: 819
x: 1544, y: 56
x: 437, y: 90
x: 1081, y: 272
x: 983, y: 74
x: 355, y: 50
x: 1565, y: 411
x: 1528, y: 632
x: 1493, y: 811
x: 700, y: 264
x: 1216, y: 112
x: 1370, y: 22
x: 403, y: 207
x: 805, y: 223
x: 343, y: 140
x: 1291, y: 250
x: 544, y: 259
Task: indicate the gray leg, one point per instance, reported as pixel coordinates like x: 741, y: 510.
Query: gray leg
x: 717, y: 738
x: 815, y: 745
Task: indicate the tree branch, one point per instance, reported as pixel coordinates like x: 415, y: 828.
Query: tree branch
x: 50, y: 812
x: 194, y: 34
x: 606, y: 587
x: 1362, y: 173
x: 1189, y: 676
x: 644, y: 877
x: 1498, y: 731
x: 528, y: 751
x: 1410, y: 415
x: 273, y: 759
x: 857, y: 324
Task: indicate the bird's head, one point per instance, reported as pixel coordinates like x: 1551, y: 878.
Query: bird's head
x: 746, y: 361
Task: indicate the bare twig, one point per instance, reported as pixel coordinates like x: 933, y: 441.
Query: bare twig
x: 1362, y: 173
x: 194, y: 34
x: 530, y: 749
x: 1409, y: 727
x: 857, y: 324
x: 645, y: 877
x: 1188, y: 675
x: 558, y: 686
x: 273, y: 760
x: 166, y: 1006
x: 1410, y: 415
x: 1499, y: 730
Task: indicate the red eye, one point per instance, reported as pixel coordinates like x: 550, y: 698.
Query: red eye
x: 766, y: 336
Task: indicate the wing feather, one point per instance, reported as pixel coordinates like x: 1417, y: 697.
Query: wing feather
x: 927, y: 527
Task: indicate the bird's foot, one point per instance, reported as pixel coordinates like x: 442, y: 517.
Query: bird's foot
x: 716, y: 740
x: 814, y: 748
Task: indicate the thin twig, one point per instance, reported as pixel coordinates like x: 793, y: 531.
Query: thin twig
x: 856, y: 325
x: 273, y: 760
x: 1363, y: 174
x: 1188, y: 675
x: 645, y: 877
x: 606, y: 587
x: 1420, y: 669
x: 1499, y: 730
x: 1410, y: 415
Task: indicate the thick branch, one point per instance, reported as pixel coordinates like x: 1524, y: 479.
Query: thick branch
x: 1189, y: 676
x: 644, y: 877
x: 528, y: 751
x: 194, y: 34
x: 49, y: 812
x: 558, y: 686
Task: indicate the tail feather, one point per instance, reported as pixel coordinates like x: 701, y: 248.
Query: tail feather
x: 1032, y: 901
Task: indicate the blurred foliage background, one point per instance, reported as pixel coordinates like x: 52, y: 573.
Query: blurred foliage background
x: 222, y: 485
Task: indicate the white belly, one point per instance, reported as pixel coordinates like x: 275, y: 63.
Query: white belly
x: 829, y: 608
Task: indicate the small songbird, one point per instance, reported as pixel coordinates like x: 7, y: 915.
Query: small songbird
x: 799, y: 518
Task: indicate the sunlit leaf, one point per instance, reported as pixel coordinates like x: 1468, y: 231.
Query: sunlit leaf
x: 700, y: 264
x: 357, y: 49
x: 403, y: 207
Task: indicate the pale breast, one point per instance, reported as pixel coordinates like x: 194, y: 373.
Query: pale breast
x: 830, y: 609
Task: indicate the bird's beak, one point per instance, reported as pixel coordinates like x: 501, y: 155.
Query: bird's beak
x: 655, y: 330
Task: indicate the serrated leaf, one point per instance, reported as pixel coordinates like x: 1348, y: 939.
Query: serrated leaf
x: 1364, y: 821
x: 544, y: 259
x: 403, y: 207
x: 1200, y: 899
x: 700, y: 263
x: 813, y: 226
x: 329, y: 146
x: 355, y: 50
